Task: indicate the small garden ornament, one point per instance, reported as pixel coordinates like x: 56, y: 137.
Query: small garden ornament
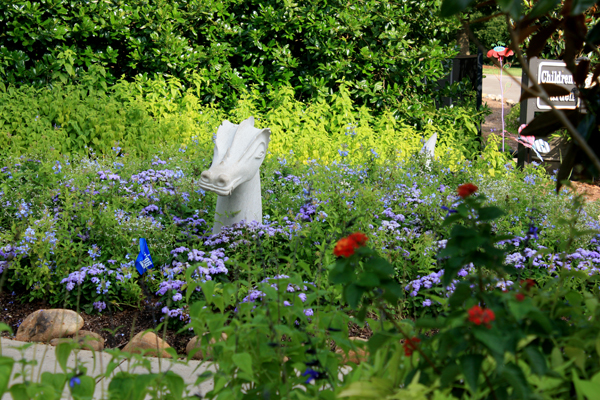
x: 233, y: 175
x: 500, y: 52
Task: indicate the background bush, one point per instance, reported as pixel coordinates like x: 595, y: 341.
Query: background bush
x: 384, y: 52
x: 142, y: 115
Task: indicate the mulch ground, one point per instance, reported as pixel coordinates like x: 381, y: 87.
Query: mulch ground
x: 116, y: 328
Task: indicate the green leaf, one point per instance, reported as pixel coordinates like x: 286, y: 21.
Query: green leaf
x: 57, y: 381
x: 470, y: 365
x: 121, y: 385
x: 244, y: 362
x: 537, y: 361
x: 516, y: 378
x: 85, y: 390
x: 208, y: 288
x: 5, y: 372
x: 19, y: 392
x: 175, y: 384
x: 429, y: 323
x: 381, y: 267
x: 449, y: 374
x: 576, y: 354
x: 353, y: 294
x: 593, y: 35
x: 493, y: 342
x: 378, y: 339
x: 367, y: 280
x: 542, y: 7
x: 462, y: 292
x: 490, y: 213
x: 63, y: 350
x: 512, y: 7
x: 589, y: 389
x: 5, y: 328
x: 452, y: 7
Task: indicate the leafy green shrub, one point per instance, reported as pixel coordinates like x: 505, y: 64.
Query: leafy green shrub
x: 382, y: 51
x: 140, y: 116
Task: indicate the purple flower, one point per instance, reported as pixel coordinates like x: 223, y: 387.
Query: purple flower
x: 74, y: 381
x: 312, y: 375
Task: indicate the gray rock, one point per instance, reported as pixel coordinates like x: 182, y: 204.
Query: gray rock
x: 45, y: 325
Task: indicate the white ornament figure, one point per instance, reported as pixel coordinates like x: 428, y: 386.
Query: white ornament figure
x: 234, y: 173
x: 429, y: 148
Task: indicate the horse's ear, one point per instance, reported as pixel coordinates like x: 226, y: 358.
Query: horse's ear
x: 267, y: 133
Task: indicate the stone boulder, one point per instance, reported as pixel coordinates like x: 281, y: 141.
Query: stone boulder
x: 45, y: 325
x: 85, y: 339
x: 357, y: 355
x: 149, y: 344
x: 194, y: 343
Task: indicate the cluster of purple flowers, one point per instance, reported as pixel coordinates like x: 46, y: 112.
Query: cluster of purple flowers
x: 256, y: 295
x: 93, y: 271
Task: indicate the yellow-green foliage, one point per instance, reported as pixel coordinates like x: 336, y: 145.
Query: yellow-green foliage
x: 146, y: 114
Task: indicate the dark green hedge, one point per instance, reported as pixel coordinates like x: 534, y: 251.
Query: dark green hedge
x: 383, y: 49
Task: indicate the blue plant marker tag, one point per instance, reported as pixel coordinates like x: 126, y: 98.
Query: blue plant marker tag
x: 143, y: 260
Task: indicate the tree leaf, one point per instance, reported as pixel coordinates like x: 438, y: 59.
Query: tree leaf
x: 593, y: 36
x: 583, y: 68
x: 579, y: 6
x: 470, y: 365
x: 511, y: 7
x: 551, y: 89
x: 542, y: 7
x: 526, y: 32
x: 452, y: 7
x: 575, y: 32
x: 538, y: 41
x: 548, y: 122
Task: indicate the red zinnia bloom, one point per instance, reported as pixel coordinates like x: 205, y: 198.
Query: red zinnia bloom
x: 528, y: 283
x: 359, y: 238
x: 410, y: 345
x: 345, y: 247
x: 478, y: 316
x: 520, y: 296
x: 466, y: 190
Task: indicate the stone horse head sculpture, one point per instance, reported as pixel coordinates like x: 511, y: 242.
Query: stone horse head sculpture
x: 233, y: 175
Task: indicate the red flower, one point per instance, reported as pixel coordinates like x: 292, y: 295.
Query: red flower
x: 466, y: 190
x: 478, y: 316
x: 345, y: 247
x: 410, y: 345
x: 520, y: 296
x: 359, y: 238
x: 528, y: 283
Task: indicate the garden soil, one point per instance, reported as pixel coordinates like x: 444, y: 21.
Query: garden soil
x: 119, y: 326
